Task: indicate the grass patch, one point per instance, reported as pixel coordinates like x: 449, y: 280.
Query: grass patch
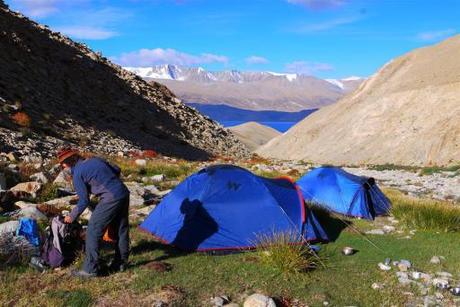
x: 277, y: 251
x: 178, y: 170
x: 430, y: 170
x: 424, y: 214
x: 74, y: 298
x: 48, y: 192
x: 393, y: 167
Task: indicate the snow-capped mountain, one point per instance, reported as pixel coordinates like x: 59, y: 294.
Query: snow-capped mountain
x: 249, y: 90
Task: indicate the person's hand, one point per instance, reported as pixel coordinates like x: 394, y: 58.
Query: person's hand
x: 68, y: 219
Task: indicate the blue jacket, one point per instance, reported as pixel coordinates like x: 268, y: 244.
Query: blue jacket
x: 96, y: 176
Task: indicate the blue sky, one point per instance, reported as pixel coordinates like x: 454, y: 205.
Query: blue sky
x: 325, y: 38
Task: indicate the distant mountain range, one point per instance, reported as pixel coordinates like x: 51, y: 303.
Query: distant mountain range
x: 249, y: 90
x: 408, y: 113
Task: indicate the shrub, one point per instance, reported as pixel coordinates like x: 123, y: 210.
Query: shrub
x: 277, y: 251
x: 425, y: 214
x: 21, y: 119
x: 49, y: 192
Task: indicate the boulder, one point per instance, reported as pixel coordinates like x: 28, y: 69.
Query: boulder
x: 30, y: 187
x: 64, y: 180
x: 39, y: 177
x: 9, y: 227
x: 22, y: 204
x: 63, y: 202
x: 384, y: 267
x: 32, y: 212
x: 259, y: 300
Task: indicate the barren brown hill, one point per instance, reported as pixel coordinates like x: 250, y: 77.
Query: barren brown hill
x: 253, y: 134
x: 407, y: 113
x: 53, y: 89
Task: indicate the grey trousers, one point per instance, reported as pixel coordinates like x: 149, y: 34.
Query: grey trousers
x: 116, y: 214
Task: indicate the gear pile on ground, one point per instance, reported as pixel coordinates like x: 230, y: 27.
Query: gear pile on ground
x: 54, y: 90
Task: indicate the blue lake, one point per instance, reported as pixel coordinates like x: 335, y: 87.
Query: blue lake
x: 280, y: 126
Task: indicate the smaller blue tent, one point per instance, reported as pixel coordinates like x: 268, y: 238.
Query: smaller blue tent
x: 345, y: 193
x: 226, y: 207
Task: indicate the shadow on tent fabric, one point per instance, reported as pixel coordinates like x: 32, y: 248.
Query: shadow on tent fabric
x: 197, y: 227
x: 333, y: 226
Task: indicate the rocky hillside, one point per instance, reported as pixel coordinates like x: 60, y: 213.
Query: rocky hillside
x: 249, y: 90
x: 54, y: 90
x: 407, y: 113
x: 253, y: 134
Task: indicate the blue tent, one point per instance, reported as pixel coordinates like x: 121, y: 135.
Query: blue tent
x: 227, y: 207
x: 344, y: 193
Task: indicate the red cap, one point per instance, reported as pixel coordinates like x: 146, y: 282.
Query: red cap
x: 65, y: 153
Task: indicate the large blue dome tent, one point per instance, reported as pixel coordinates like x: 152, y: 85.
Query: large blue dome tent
x: 225, y: 207
x: 344, y: 193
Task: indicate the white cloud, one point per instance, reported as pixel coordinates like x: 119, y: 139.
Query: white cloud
x: 86, y: 32
x: 433, y: 36
x: 318, y: 4
x: 150, y: 57
x: 326, y: 25
x: 307, y: 68
x: 36, y: 8
x: 256, y: 60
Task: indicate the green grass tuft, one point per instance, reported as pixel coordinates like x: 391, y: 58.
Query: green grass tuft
x: 74, y: 298
x: 425, y: 214
x: 276, y: 251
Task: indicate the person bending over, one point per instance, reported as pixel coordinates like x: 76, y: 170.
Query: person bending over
x: 99, y: 177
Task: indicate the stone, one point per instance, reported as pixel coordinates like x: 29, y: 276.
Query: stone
x: 30, y: 187
x: 158, y: 178
x: 259, y: 300
x: 416, y: 275
x: 39, y: 177
x: 232, y: 305
x: 86, y: 214
x: 22, y: 204
x: 404, y: 265
x: 9, y: 227
x: 440, y: 282
x: 13, y: 157
x: 64, y: 180
x: 144, y: 211
x: 152, y: 189
x: 141, y: 162
x: 388, y: 228
x: 375, y: 232
x: 376, y: 286
x: 32, y: 212
x: 446, y: 275
x: 218, y: 301
x: 384, y: 267
x: 63, y: 202
x: 435, y: 260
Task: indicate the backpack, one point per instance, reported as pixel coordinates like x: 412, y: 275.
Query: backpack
x: 62, y: 243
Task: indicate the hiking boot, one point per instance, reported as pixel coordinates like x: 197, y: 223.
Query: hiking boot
x: 118, y: 266
x: 38, y: 264
x: 83, y: 274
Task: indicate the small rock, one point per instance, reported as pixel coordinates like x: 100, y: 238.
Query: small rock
x: 158, y: 178
x: 416, y: 275
x: 404, y: 265
x: 377, y: 286
x: 232, y: 305
x: 12, y: 157
x: 384, y: 267
x: 435, y: 260
x: 440, y: 282
x: 30, y: 187
x: 141, y: 162
x: 388, y: 228
x: 63, y: 180
x: 39, y: 177
x: 259, y: 300
x: 445, y: 275
x: 375, y: 232
x: 219, y: 301
x: 63, y: 202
